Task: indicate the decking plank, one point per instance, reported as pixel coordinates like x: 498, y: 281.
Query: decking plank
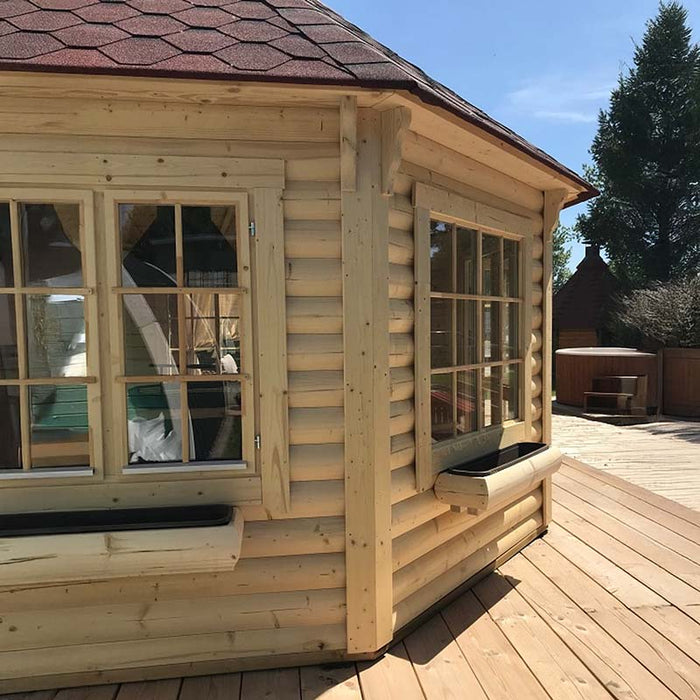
x: 275, y: 684
x: 556, y: 667
x: 622, y: 674
x: 669, y: 560
x: 497, y: 665
x: 391, y: 677
x: 678, y: 509
x: 220, y: 687
x: 442, y: 669
x: 330, y: 683
x: 658, y: 515
x: 678, y: 672
x: 661, y: 534
x: 96, y: 692
x: 151, y: 690
x: 618, y: 559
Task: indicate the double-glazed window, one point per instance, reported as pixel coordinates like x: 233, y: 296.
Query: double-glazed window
x: 152, y: 330
x: 48, y: 366
x: 179, y: 303
x: 475, y: 310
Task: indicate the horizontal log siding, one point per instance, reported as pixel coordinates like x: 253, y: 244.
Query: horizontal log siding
x: 434, y: 549
x: 287, y: 593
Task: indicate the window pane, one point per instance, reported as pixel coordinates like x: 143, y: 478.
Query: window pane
x: 7, y: 276
x: 56, y: 336
x: 213, y: 334
x: 441, y: 257
x: 147, y: 235
x: 215, y: 420
x: 510, y: 268
x: 59, y: 426
x: 466, y: 332
x: 492, y: 331
x: 511, y: 314
x: 491, y: 266
x: 441, y: 334
x: 154, y: 426
x: 10, y: 455
x: 466, y: 260
x: 209, y: 246
x: 491, y: 396
x: 511, y: 392
x: 150, y: 334
x: 466, y: 402
x: 442, y: 407
x: 8, y: 338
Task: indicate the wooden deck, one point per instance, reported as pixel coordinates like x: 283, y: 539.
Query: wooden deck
x: 607, y: 604
x: 663, y: 457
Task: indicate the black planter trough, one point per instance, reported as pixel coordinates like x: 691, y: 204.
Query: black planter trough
x: 83, y: 521
x: 498, y: 460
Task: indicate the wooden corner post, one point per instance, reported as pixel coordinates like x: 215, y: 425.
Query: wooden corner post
x: 365, y: 216
x: 553, y: 203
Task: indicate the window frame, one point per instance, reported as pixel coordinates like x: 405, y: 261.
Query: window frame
x: 120, y: 469
x: 49, y: 475
x: 431, y: 203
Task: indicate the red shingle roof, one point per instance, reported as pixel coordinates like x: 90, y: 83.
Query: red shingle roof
x: 299, y: 41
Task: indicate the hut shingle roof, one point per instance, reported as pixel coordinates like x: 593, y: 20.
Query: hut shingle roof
x: 298, y: 41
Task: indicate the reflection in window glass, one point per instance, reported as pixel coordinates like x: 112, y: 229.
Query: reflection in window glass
x: 466, y: 333
x: 441, y: 333
x: 510, y: 269
x: 491, y: 395
x: 466, y: 260
x: 213, y: 334
x: 442, y: 407
x: 56, y: 336
x: 466, y: 402
x: 10, y: 453
x: 147, y: 234
x: 511, y: 392
x: 150, y: 334
x: 8, y: 338
x: 492, y: 331
x: 491, y: 266
x: 50, y: 235
x: 441, y: 267
x: 7, y: 276
x: 209, y: 246
x: 215, y: 419
x: 154, y: 426
x: 59, y: 426
x: 511, y: 313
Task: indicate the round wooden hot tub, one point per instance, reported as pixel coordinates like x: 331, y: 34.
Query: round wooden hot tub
x: 577, y: 367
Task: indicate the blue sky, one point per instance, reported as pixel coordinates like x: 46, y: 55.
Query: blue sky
x: 544, y: 68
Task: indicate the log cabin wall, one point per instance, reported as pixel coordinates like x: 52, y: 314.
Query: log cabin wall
x: 435, y: 550
x: 286, y: 597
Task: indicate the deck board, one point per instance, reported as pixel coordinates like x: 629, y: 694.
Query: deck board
x: 606, y: 604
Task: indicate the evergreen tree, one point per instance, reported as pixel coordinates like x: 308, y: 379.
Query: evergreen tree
x: 646, y: 158
x: 561, y: 257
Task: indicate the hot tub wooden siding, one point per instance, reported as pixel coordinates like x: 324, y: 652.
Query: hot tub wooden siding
x: 354, y: 514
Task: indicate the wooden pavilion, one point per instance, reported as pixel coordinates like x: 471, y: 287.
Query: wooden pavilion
x: 253, y: 261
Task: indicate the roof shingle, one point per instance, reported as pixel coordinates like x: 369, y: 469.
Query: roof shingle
x: 300, y: 41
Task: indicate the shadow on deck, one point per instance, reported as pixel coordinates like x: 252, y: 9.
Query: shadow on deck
x: 606, y: 604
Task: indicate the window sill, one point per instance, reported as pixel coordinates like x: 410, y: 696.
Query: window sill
x: 192, y: 468
x: 479, y: 493
x: 51, y: 473
x: 78, y: 558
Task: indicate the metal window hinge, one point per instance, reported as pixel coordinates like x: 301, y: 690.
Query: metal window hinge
x: 252, y: 229
x: 258, y: 442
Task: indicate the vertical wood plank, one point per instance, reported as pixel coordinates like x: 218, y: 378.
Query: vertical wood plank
x: 272, y: 350
x: 421, y: 362
x: 367, y: 397
x: 395, y: 122
x: 525, y: 293
x: 553, y: 203
x: 348, y: 144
